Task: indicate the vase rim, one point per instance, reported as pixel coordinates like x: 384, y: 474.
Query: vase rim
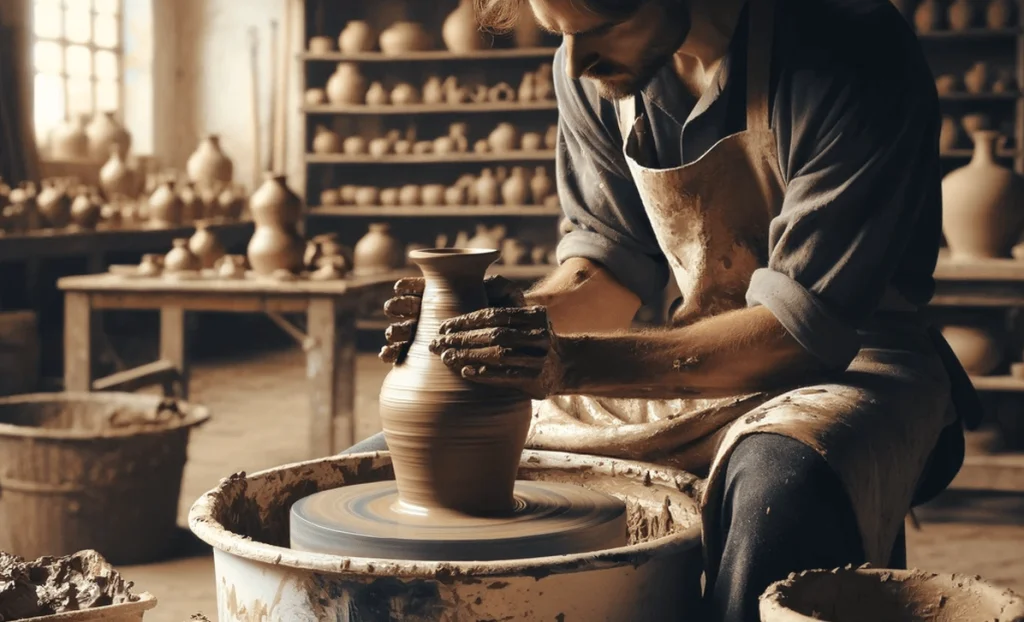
x: 437, y: 253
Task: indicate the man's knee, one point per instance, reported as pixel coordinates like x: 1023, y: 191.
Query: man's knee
x: 769, y: 467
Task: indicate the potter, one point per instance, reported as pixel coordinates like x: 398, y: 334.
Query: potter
x: 795, y: 370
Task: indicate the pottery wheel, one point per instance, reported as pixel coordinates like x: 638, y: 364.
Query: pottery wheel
x: 369, y: 521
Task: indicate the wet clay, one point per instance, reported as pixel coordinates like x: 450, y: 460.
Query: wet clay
x: 455, y: 444
x: 51, y: 585
x: 853, y: 594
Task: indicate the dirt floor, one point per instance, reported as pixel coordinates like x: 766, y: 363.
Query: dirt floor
x: 259, y: 420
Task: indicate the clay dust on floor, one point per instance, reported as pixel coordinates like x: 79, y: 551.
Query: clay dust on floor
x: 260, y: 418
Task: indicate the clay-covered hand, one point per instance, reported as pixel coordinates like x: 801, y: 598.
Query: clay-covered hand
x: 403, y: 309
x: 512, y: 347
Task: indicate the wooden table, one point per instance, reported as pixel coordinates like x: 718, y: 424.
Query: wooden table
x: 329, y: 341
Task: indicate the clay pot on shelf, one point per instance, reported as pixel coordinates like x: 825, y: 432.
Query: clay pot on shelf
x: 68, y: 140
x: 377, y: 251
x: 231, y: 203
x: 354, y: 145
x: 85, y: 210
x: 541, y: 185
x: 455, y: 444
x: 514, y: 252
x: 947, y: 83
x: 230, y: 267
x: 377, y: 95
x: 503, y: 138
x: 486, y: 188
x: 423, y: 147
x: 443, y: 145
x: 981, y: 216
x: 104, y: 133
x: 192, y: 208
x: 151, y: 265
x: 455, y: 196
x: 544, y: 85
x: 205, y: 245
x: 481, y: 146
x: 347, y: 194
x: 366, y: 196
x: 346, y: 85
x: 315, y: 97
x: 501, y: 92
x: 356, y: 37
x: 977, y: 79
x: 379, y: 147
x: 433, y: 91
x: 453, y: 93
x: 949, y: 136
x: 321, y: 45
x: 460, y: 31
x: 516, y: 188
x: 999, y: 14
x: 389, y: 197
x: 322, y: 247
x: 409, y: 195
x: 165, y: 206
x: 486, y: 237
x: 432, y: 195
x: 539, y: 255
x: 181, y: 259
x: 275, y: 244
x: 532, y: 141
x: 404, y: 37
x: 404, y: 94
x: 116, y: 179
x: 54, y: 206
x: 976, y: 348
x: 330, y: 197
x: 961, y: 15
x: 208, y: 166
x: 976, y: 122
x: 551, y: 137
x: 326, y: 141
x: 1005, y: 82
x: 457, y: 132
x: 402, y: 146
x: 928, y: 16
x: 526, y: 33
x: 527, y: 87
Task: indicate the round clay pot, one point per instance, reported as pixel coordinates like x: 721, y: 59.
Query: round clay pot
x: 348, y: 194
x: 961, y: 15
x: 151, y: 265
x: 389, y: 197
x: 454, y: 444
x: 116, y: 179
x: 330, y: 197
x: 231, y: 203
x: 379, y: 147
x: 315, y: 97
x: 976, y: 122
x: 404, y: 37
x: 551, y: 137
x: 191, y: 205
x: 947, y: 83
x: 356, y: 37
x: 366, y: 196
x: 432, y: 195
x: 180, y: 258
x: 928, y: 16
x: 444, y: 145
x: 85, y: 210
x: 516, y: 188
x: 527, y: 87
x: 977, y: 79
x: 540, y: 185
x: 205, y: 245
x: 514, y: 252
x: 326, y: 141
x: 404, y: 94
x: 481, y: 146
x: 455, y: 196
x: 503, y: 138
x: 275, y: 244
x: 231, y: 267
x: 949, y: 136
x: 460, y: 32
x: 409, y: 195
x: 321, y: 45
x: 354, y: 145
x: 402, y: 147
x: 423, y: 147
x: 892, y: 595
x: 68, y: 140
x: 165, y: 207
x: 208, y: 166
x: 346, y: 85
x: 532, y: 141
x: 105, y: 133
x: 377, y: 251
x: 539, y: 255
x: 976, y: 348
x: 999, y: 14
x: 980, y: 215
x: 377, y: 95
x: 544, y: 85
x: 486, y: 188
x: 433, y: 91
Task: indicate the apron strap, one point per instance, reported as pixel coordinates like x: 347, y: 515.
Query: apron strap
x: 759, y: 64
x: 625, y: 109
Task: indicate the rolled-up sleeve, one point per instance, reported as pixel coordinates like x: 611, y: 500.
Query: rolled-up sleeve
x: 598, y: 195
x: 858, y: 147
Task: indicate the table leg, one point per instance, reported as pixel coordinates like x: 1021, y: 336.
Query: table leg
x: 78, y: 327
x: 174, y: 344
x: 330, y: 367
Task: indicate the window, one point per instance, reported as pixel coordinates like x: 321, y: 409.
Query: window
x: 77, y: 55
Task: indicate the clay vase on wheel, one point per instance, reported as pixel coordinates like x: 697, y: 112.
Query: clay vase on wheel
x: 981, y: 216
x: 275, y: 243
x: 455, y: 445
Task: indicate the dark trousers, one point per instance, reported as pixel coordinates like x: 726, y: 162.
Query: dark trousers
x: 783, y: 510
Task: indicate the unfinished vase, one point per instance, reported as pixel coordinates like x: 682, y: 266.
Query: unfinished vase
x: 275, y: 244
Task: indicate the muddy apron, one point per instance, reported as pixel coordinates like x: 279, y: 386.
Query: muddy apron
x: 875, y: 424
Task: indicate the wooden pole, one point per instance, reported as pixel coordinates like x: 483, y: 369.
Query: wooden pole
x: 272, y: 165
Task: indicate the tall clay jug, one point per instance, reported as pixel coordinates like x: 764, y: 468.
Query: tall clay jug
x: 275, y: 243
x: 105, y: 132
x: 461, y: 33
x: 208, y: 166
x: 454, y: 444
x: 981, y: 215
x: 68, y: 140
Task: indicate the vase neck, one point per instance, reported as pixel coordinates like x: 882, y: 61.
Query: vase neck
x: 985, y: 144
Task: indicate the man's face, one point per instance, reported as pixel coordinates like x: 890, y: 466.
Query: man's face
x: 620, y: 56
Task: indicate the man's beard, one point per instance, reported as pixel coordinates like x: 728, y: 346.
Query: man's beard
x: 624, y: 82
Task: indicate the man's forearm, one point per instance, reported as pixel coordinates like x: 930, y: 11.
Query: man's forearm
x: 583, y: 297
x: 742, y: 351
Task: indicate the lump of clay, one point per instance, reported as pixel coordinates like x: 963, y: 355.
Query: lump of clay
x: 51, y: 585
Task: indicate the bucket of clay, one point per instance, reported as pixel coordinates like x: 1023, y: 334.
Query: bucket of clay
x: 654, y: 577
x: 855, y: 594
x: 124, y: 612
x: 95, y: 471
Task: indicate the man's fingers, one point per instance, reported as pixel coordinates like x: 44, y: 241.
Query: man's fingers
x: 493, y: 356
x: 393, y: 352
x: 403, y: 307
x: 400, y: 331
x: 528, y: 317
x: 410, y: 286
x: 533, y: 338
x: 502, y: 292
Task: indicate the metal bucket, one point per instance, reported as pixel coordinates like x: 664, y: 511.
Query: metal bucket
x: 655, y: 577
x: 95, y: 471
x: 853, y: 594
x: 125, y: 612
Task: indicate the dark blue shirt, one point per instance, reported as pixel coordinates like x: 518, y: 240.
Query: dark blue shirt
x: 856, y: 119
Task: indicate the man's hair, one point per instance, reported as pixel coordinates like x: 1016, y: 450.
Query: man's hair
x: 501, y: 15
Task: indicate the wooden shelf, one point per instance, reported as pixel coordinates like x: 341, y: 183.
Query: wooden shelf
x: 971, y: 34
x: 999, y: 384
x: 976, y: 97
x: 487, y: 107
x: 476, y: 211
x: 433, y: 55
x: 947, y: 269
x: 451, y: 158
x: 1001, y: 472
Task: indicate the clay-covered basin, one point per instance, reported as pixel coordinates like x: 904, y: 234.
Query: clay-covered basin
x: 656, y: 576
x: 856, y: 594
